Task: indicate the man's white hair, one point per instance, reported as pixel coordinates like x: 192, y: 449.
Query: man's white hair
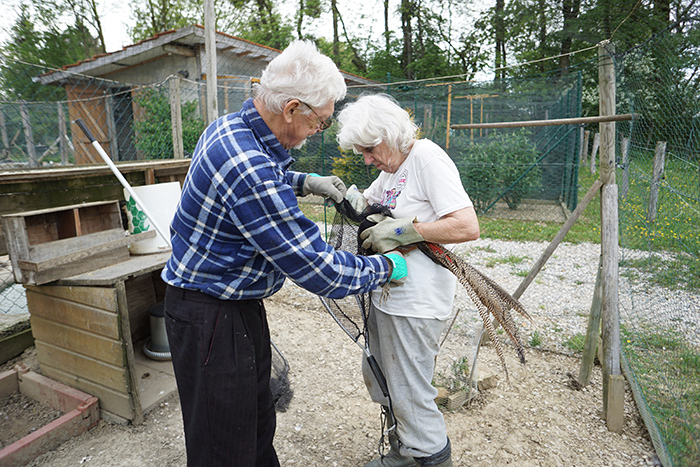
x: 300, y: 72
x: 374, y: 118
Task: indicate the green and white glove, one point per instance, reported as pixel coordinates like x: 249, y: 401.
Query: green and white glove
x: 389, y: 233
x: 330, y: 187
x: 356, y: 199
x: 399, y: 271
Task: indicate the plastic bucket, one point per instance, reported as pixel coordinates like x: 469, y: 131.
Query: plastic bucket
x: 161, y: 202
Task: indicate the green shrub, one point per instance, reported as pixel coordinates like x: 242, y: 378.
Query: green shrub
x: 153, y: 128
x: 503, y: 165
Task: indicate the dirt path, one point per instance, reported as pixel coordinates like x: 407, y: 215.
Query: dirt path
x: 539, y: 420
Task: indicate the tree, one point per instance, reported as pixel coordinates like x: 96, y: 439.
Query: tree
x: 33, y: 49
x: 156, y: 16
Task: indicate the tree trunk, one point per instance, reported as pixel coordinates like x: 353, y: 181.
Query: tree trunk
x: 300, y: 18
x: 500, y: 36
x: 336, y: 39
x: 542, y: 33
x: 387, y: 31
x: 406, y: 8
x: 570, y: 11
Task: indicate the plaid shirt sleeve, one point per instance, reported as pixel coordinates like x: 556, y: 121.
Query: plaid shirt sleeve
x: 238, y: 231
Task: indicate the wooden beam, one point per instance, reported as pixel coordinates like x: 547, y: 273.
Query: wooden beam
x: 556, y: 121
x: 178, y: 50
x: 593, y: 331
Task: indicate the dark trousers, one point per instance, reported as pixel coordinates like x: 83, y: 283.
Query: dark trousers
x: 221, y: 356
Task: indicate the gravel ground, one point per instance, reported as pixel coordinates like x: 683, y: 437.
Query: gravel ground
x: 538, y: 419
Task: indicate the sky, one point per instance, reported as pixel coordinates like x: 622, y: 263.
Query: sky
x: 358, y: 15
x: 115, y: 15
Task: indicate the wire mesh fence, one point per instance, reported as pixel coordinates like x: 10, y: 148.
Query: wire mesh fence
x: 506, y: 168
x: 659, y: 215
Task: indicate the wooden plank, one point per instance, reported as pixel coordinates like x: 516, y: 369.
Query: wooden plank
x: 97, y: 297
x: 15, y: 344
x: 18, y: 246
x: 62, y: 173
x: 82, y: 366
x: 85, y: 256
x: 78, y: 340
x: 98, y: 260
x: 28, y: 213
x: 72, y: 314
x: 117, y: 402
x: 135, y: 265
x: 131, y: 374
x: 45, y: 252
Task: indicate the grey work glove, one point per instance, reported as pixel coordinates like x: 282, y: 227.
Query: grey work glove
x: 389, y: 233
x: 330, y: 187
x: 356, y: 199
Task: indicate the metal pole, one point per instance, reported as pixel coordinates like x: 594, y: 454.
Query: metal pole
x: 121, y: 178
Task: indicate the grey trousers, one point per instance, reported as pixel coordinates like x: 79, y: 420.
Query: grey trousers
x: 405, y: 349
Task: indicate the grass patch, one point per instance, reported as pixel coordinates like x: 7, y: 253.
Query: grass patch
x: 668, y: 370
x: 577, y: 342
x: 510, y: 259
x: 535, y: 339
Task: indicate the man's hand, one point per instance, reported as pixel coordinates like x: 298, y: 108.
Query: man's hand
x: 356, y: 199
x: 389, y: 233
x: 330, y: 187
x: 399, y: 271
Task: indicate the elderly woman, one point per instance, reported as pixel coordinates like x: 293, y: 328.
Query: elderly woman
x: 421, y: 186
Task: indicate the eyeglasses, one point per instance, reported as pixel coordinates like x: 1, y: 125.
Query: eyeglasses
x: 322, y: 124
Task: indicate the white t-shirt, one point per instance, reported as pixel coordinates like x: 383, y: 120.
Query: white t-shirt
x: 426, y: 186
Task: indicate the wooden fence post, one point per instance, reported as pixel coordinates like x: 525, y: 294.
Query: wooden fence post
x: 28, y: 134
x: 210, y: 54
x: 625, y: 168
x: 62, y: 134
x: 111, y: 128
x: 594, y: 151
x: 5, y: 152
x: 176, y: 117
x: 613, y: 381
x: 657, y: 173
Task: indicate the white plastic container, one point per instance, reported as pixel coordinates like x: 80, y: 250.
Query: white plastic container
x: 161, y: 202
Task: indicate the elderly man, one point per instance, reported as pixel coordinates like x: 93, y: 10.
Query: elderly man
x: 237, y: 234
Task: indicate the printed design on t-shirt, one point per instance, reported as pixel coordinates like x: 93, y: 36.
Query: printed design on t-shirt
x: 390, y: 196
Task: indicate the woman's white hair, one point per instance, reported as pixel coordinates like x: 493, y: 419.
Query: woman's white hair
x: 374, y: 118
x: 300, y: 72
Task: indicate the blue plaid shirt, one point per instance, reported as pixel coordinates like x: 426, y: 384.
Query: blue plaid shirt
x: 238, y: 231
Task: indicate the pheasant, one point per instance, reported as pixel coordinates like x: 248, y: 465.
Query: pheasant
x: 487, y: 295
